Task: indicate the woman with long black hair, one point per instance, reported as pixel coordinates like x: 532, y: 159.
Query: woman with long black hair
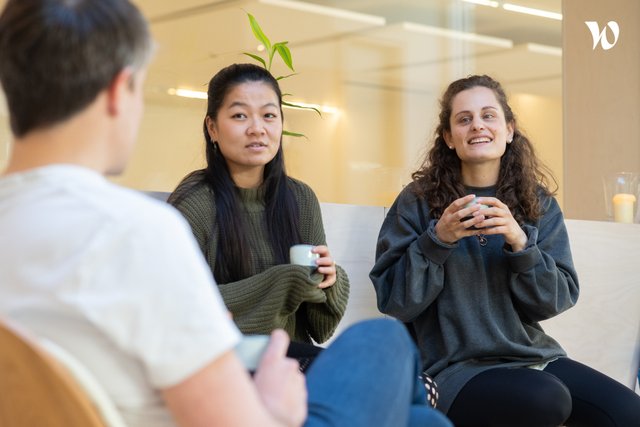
x: 246, y: 213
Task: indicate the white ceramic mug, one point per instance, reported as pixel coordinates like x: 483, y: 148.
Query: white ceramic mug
x: 468, y: 205
x: 302, y: 255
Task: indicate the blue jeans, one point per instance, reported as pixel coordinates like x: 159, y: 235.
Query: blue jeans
x: 369, y: 376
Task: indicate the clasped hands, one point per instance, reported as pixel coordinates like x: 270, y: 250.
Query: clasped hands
x: 486, y: 216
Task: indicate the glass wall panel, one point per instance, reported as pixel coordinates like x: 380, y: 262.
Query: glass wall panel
x: 377, y: 67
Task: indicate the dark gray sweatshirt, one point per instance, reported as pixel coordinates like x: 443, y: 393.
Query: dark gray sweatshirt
x: 473, y: 307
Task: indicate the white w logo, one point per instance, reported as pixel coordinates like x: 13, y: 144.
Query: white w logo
x: 601, y: 36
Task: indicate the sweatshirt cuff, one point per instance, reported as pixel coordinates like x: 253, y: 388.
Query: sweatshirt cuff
x: 432, y: 248
x: 527, y: 258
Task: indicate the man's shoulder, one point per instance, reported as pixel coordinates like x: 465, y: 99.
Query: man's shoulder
x: 94, y: 197
x: 129, y: 205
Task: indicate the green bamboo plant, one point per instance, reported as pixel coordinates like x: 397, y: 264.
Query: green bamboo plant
x: 283, y: 51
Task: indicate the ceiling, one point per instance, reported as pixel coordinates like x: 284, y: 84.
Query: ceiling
x: 397, y: 44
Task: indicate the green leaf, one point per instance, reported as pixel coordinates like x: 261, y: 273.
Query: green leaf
x: 257, y: 32
x: 302, y: 107
x: 257, y: 58
x: 271, y: 53
x: 283, y: 51
x: 294, y: 134
x: 284, y: 77
x: 285, y: 54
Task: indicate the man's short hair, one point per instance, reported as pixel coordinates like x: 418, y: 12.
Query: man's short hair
x: 57, y: 55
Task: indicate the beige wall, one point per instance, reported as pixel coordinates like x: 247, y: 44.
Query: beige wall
x: 601, y: 102
x: 170, y: 145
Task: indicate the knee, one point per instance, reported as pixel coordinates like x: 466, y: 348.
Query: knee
x: 390, y: 330
x: 384, y: 333
x: 551, y: 402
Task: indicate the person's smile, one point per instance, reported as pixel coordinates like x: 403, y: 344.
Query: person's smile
x: 478, y: 140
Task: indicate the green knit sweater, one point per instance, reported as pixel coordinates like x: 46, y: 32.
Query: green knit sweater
x: 274, y: 296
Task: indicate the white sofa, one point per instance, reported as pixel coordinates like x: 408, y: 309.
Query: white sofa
x: 602, y: 330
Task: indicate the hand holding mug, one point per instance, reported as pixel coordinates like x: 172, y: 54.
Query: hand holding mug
x: 317, y: 257
x: 498, y: 219
x: 326, y: 265
x: 459, y: 220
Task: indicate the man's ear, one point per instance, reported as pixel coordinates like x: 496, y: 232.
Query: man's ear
x: 120, y: 87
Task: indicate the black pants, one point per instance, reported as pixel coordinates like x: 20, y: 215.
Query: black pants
x: 565, y: 393
x: 305, y: 353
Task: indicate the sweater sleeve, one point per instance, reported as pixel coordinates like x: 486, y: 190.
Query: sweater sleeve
x: 544, y: 281
x: 321, y: 319
x: 270, y: 299
x: 408, y: 274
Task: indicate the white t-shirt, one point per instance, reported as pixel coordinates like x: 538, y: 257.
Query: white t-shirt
x: 115, y: 278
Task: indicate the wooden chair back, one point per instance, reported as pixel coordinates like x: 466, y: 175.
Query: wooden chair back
x: 35, y: 389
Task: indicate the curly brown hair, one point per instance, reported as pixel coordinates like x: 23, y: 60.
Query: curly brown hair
x: 522, y: 175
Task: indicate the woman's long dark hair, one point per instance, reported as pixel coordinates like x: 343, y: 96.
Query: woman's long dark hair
x: 281, y: 213
x: 521, y: 178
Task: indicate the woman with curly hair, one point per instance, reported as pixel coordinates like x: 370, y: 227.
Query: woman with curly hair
x: 472, y: 255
